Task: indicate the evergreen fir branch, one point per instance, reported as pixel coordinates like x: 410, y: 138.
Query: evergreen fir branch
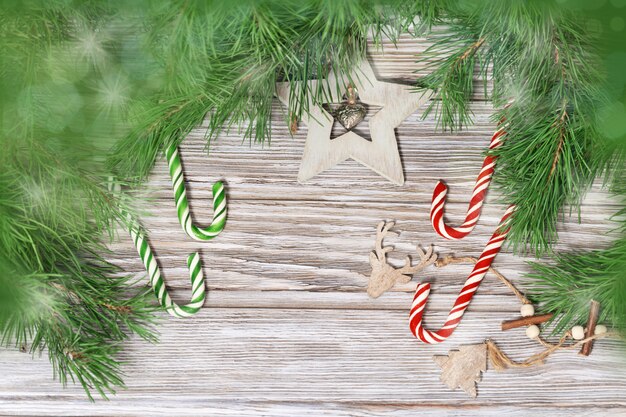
x: 566, y: 286
x: 543, y: 62
x: 233, y: 54
x: 55, y: 210
x: 452, y: 80
x: 544, y: 165
x: 59, y: 293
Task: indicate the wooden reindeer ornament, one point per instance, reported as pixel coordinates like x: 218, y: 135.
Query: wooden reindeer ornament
x: 385, y: 276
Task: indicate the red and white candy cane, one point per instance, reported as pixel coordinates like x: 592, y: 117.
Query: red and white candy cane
x: 476, y: 202
x: 466, y: 294
x: 449, y: 232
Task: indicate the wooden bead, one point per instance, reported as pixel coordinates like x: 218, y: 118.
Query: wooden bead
x: 578, y: 332
x: 532, y: 331
x: 600, y: 329
x: 527, y: 310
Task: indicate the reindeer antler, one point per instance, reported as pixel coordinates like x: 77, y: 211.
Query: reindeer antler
x: 381, y: 231
x: 384, y: 276
x: 426, y: 258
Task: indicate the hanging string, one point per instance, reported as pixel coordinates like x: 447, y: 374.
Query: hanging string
x: 497, y: 357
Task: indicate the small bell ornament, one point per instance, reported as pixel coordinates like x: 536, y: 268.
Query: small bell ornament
x: 350, y: 113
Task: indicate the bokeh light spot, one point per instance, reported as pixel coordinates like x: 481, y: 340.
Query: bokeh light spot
x: 617, y: 24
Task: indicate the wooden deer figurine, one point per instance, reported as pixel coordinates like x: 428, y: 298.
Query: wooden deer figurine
x: 385, y: 276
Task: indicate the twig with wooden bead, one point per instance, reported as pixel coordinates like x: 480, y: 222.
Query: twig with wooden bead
x: 527, y: 310
x: 462, y: 368
x: 578, y: 333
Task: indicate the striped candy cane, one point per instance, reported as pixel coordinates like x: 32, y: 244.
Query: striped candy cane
x: 466, y: 294
x: 198, y: 292
x: 182, y: 205
x: 476, y: 202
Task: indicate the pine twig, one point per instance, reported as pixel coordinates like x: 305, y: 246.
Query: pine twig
x: 473, y: 48
x: 594, y: 313
x: 561, y: 122
x: 119, y: 309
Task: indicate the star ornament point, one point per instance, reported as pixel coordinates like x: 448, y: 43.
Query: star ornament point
x: 380, y: 154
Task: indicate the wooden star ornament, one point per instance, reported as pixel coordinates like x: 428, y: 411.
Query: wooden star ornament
x: 381, y: 153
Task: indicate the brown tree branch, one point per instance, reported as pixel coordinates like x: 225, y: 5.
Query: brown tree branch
x: 472, y: 49
x: 594, y: 313
x: 562, y: 121
x: 525, y: 321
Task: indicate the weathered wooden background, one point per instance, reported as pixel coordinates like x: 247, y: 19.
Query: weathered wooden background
x: 288, y: 329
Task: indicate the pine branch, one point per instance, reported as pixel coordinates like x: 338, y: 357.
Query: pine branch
x: 235, y: 53
x: 541, y: 60
x: 58, y: 293
x: 562, y: 123
x: 54, y: 210
x: 452, y: 78
x: 566, y: 286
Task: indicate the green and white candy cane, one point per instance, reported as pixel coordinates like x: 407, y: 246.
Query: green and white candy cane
x: 182, y: 205
x: 198, y: 292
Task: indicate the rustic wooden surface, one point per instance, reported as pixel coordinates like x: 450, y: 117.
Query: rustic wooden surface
x: 288, y: 329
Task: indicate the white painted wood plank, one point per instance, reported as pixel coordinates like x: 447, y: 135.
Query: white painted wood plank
x: 310, y: 356
x: 288, y: 328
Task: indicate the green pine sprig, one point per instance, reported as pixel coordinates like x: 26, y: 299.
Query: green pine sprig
x: 452, y: 62
x: 548, y: 86
x: 567, y: 285
x: 59, y: 293
x: 223, y: 59
x: 61, y: 96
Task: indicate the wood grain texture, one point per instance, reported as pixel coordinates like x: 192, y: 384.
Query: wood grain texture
x: 288, y: 329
